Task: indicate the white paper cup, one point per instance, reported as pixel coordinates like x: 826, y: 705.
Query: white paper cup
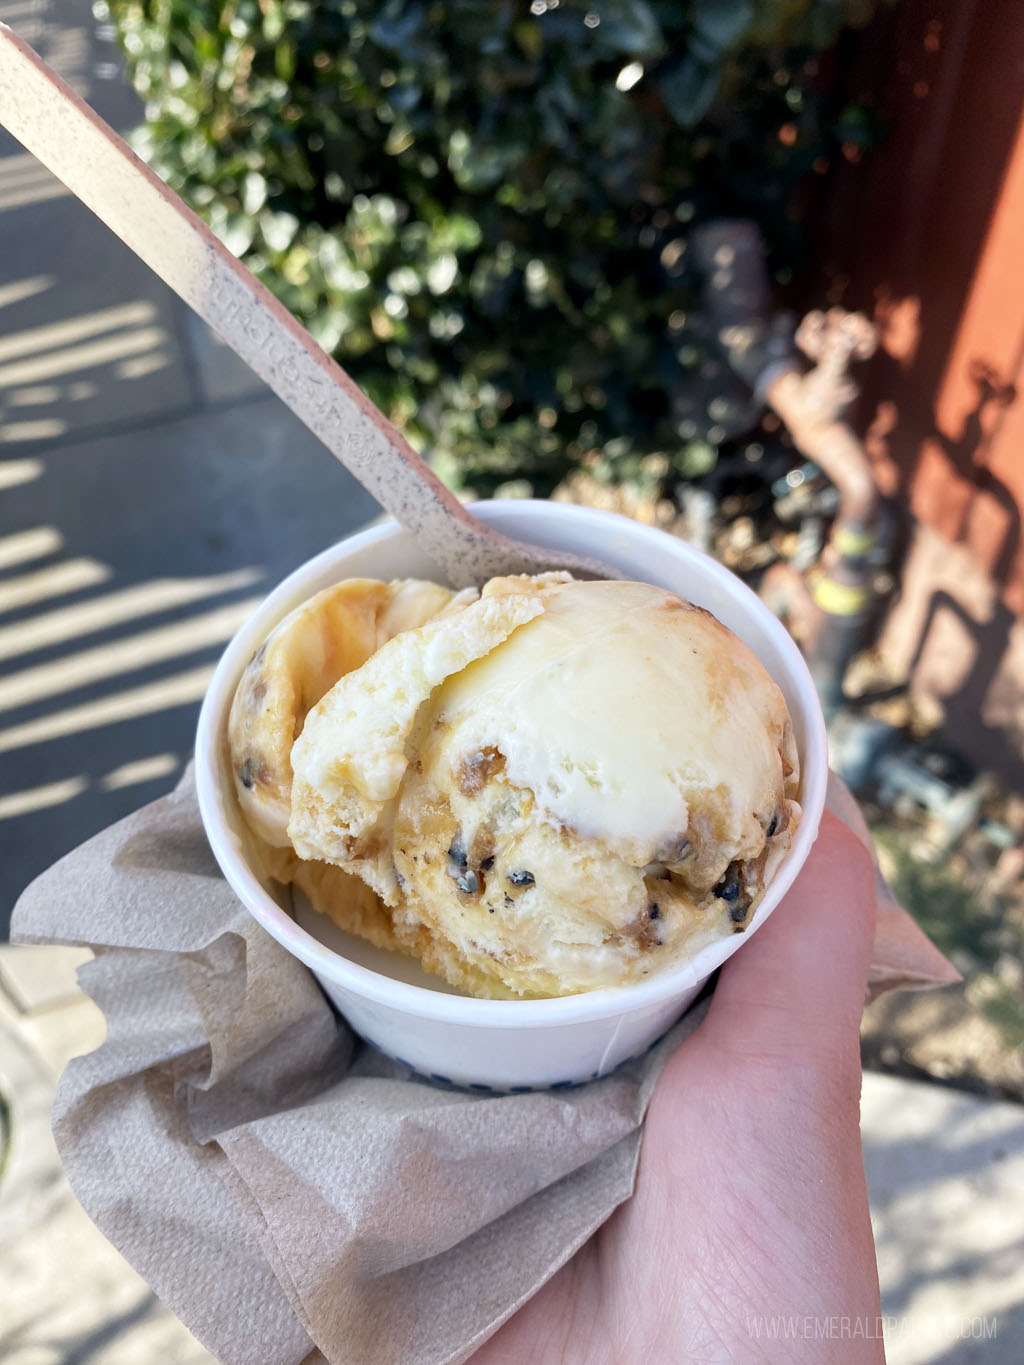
x: 387, y: 998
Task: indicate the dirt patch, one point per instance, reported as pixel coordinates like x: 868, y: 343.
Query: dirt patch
x: 970, y: 900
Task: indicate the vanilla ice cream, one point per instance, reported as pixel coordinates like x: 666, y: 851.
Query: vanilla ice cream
x: 324, y: 638
x: 555, y: 787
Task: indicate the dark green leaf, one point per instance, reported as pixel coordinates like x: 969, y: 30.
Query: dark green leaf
x: 688, y: 90
x: 722, y: 22
x: 470, y: 203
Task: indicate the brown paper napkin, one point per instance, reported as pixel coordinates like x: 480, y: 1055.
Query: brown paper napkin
x: 292, y: 1194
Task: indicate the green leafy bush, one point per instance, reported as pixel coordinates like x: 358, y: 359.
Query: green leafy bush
x: 481, y: 207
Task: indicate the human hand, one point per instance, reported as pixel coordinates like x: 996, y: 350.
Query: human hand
x: 750, y: 1207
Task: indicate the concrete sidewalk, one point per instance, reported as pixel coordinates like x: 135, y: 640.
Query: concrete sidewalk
x: 945, y: 1174
x: 66, y: 1295
x: 945, y: 1171
x: 153, y: 491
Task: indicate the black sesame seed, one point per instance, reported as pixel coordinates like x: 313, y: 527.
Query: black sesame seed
x: 457, y: 852
x: 521, y: 878
x: 674, y: 850
x: 731, y: 890
x: 246, y: 773
x: 653, y: 910
x: 490, y: 909
x: 773, y: 824
x: 728, y: 890
x: 487, y: 864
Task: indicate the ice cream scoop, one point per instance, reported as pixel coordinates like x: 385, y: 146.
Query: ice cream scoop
x: 325, y: 637
x: 559, y: 787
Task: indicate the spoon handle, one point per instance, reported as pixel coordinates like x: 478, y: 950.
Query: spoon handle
x: 72, y: 141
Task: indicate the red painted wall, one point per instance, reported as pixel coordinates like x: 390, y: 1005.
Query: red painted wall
x: 927, y: 235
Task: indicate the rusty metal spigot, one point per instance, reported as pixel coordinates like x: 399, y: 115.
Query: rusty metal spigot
x: 812, y: 402
x: 832, y: 340
x: 830, y: 610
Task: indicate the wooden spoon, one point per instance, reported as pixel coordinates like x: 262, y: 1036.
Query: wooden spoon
x: 72, y: 141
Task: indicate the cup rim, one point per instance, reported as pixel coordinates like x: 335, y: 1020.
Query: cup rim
x: 421, y: 1001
